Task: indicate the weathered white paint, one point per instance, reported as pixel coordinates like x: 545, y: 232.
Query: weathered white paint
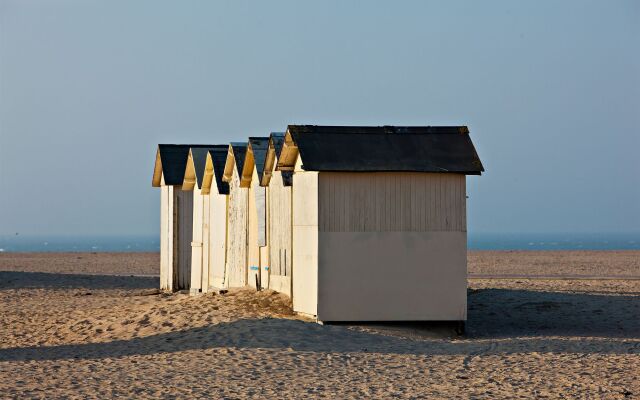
x: 305, y: 241
x: 206, y: 242
x: 166, y: 237
x: 197, y: 241
x: 214, y: 231
x: 218, y: 240
x: 253, y: 250
x: 236, y: 266
x: 176, y: 222
x: 279, y: 234
x: 280, y: 284
x: 392, y: 276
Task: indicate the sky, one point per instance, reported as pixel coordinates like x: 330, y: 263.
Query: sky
x: 549, y: 90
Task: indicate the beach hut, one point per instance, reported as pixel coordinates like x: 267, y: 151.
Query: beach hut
x: 257, y: 249
x: 379, y: 221
x: 176, y: 215
x: 200, y: 249
x: 217, y: 193
x: 237, y: 211
x: 278, y: 193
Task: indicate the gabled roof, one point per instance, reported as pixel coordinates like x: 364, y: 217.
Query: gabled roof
x: 171, y: 161
x: 196, y: 163
x: 277, y: 138
x: 239, y: 153
x: 235, y: 157
x: 276, y: 142
x: 382, y: 148
x: 255, y: 157
x: 214, y: 170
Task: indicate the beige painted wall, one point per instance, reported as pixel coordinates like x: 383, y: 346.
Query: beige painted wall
x: 236, y: 267
x: 279, y: 234
x: 392, y: 202
x: 392, y: 276
x: 305, y: 241
x: 392, y: 246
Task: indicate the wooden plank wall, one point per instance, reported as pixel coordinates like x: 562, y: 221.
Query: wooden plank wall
x: 206, y: 247
x: 218, y: 239
x: 391, y: 201
x: 279, y: 234
x: 166, y: 237
x: 197, y: 240
x: 279, y: 226
x: 305, y: 241
x: 185, y: 234
x: 237, y: 239
x: 253, y: 256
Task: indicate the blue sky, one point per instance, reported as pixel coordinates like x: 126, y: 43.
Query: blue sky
x: 550, y: 91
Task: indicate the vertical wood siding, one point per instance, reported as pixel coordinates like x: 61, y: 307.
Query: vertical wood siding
x: 206, y: 248
x: 197, y: 240
x: 279, y: 226
x: 237, y: 239
x: 218, y: 239
x: 391, y: 202
x: 166, y: 237
x: 184, y: 201
x: 305, y: 241
x: 253, y: 256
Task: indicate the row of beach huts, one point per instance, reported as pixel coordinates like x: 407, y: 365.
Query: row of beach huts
x: 353, y: 223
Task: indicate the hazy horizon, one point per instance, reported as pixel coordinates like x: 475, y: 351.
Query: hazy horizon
x: 550, y: 92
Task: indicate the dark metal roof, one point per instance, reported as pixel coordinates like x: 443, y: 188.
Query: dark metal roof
x: 199, y: 155
x: 386, y: 148
x: 376, y: 129
x: 239, y: 152
x: 259, y: 146
x: 219, y: 158
x: 173, y: 158
x: 277, y: 138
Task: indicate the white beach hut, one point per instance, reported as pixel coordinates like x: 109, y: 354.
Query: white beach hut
x: 257, y: 249
x: 278, y: 194
x: 200, y: 249
x: 176, y: 215
x: 217, y: 193
x: 237, y: 211
x: 379, y: 221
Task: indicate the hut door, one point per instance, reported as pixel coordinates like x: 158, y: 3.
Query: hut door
x: 184, y: 205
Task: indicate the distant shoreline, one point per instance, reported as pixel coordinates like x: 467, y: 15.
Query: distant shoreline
x: 487, y: 264
x: 476, y: 242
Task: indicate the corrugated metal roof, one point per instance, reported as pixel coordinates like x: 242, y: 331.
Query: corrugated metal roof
x: 219, y: 158
x: 171, y: 160
x: 386, y: 148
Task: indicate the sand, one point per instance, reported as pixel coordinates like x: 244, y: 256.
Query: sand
x: 97, y: 335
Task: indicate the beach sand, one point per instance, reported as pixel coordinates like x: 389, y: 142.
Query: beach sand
x: 78, y: 325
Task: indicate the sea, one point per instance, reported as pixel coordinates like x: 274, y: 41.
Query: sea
x: 476, y: 241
